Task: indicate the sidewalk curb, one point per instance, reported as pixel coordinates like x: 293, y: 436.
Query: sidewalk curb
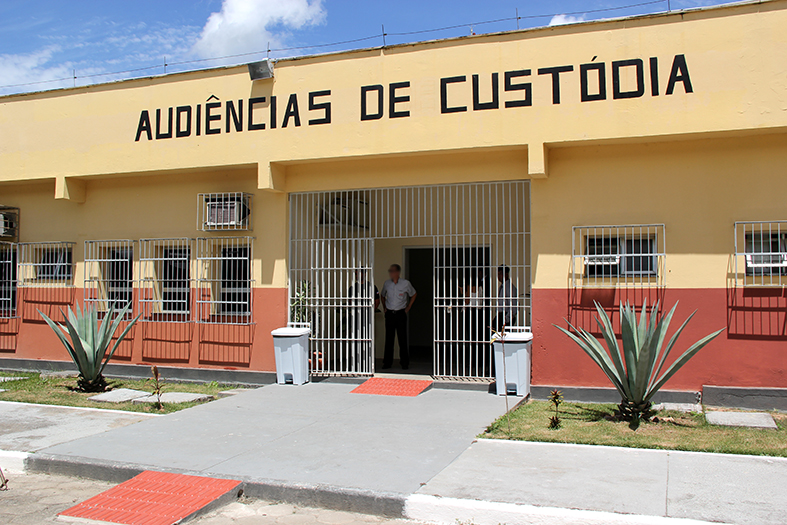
x: 12, y: 461
x: 418, y: 507
x: 308, y: 495
x: 450, y: 511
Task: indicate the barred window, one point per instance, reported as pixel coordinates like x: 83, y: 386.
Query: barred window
x: 224, y: 211
x: 8, y: 280
x: 609, y: 256
x: 224, y: 281
x: 761, y: 253
x: 109, y: 274
x: 165, y: 270
x: 46, y: 263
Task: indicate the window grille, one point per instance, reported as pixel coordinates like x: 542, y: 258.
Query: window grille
x: 8, y: 280
x: 618, y: 256
x: 46, y: 264
x: 224, y: 280
x: 224, y: 211
x: 9, y: 224
x: 761, y: 253
x: 109, y: 274
x: 165, y: 280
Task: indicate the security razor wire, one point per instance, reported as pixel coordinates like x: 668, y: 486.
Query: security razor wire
x: 478, y: 239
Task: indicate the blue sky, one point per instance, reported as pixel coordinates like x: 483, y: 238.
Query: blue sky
x: 46, y: 40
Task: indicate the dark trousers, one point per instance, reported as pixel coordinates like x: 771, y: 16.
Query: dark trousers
x: 396, y: 325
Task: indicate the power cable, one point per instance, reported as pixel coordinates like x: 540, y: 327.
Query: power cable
x: 343, y: 42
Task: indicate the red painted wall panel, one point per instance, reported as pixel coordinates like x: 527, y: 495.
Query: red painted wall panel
x: 751, y: 352
x: 244, y: 347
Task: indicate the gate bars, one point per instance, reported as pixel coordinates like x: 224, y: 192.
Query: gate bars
x: 473, y: 228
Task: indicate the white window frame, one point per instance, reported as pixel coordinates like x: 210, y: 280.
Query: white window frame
x: 211, y: 283
x: 154, y: 256
x: 9, y: 301
x: 619, y: 236
x: 35, y: 270
x: 751, y: 266
x: 98, y: 285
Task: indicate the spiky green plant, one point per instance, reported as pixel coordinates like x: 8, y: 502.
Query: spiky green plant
x: 87, y: 340
x: 637, y: 367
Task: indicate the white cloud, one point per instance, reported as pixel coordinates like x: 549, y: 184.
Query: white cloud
x: 102, y: 46
x: 244, y: 26
x: 32, y: 67
x: 559, y: 20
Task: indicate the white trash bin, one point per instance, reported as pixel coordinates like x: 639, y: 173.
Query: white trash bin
x: 517, y: 347
x: 291, y: 346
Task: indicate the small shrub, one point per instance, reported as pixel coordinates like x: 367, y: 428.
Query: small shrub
x: 158, y: 386
x: 555, y: 397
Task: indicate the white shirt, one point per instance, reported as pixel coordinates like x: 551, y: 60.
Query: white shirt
x: 397, y: 295
x: 506, y: 299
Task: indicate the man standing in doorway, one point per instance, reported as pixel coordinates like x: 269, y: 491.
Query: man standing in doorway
x: 507, y: 295
x: 398, y: 297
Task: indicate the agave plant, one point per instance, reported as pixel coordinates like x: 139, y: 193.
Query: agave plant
x: 87, y: 340
x: 638, y: 368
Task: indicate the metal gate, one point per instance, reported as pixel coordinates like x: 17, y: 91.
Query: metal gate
x: 334, y: 295
x: 479, y: 235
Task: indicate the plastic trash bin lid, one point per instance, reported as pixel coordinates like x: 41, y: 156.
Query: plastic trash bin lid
x: 517, y: 337
x: 290, y: 331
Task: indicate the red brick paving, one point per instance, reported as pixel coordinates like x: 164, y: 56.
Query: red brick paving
x: 152, y: 498
x: 383, y: 386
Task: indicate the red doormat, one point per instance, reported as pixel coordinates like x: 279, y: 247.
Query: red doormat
x: 153, y: 498
x: 383, y: 386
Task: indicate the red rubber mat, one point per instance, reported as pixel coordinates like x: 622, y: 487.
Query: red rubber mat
x: 383, y: 386
x: 152, y: 498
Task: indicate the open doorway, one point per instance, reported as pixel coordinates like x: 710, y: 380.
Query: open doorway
x: 419, y: 270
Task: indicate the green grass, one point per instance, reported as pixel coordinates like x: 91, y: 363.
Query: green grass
x: 61, y: 391
x: 589, y: 423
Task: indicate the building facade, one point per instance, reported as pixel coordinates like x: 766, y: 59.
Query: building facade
x: 640, y: 159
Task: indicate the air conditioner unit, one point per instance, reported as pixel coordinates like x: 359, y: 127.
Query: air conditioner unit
x: 9, y: 222
x: 225, y: 213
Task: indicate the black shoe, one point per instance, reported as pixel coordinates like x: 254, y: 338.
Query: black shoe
x: 386, y: 367
x: 405, y: 367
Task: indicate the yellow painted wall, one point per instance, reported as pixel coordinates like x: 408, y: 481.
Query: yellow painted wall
x: 151, y: 207
x: 697, y: 189
x: 735, y: 56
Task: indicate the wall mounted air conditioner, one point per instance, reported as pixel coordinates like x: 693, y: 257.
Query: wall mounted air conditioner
x: 224, y: 211
x: 9, y: 224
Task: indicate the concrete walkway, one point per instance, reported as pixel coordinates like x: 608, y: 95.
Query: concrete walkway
x: 700, y: 486
x: 315, y: 434
x: 319, y: 445
x: 27, y: 427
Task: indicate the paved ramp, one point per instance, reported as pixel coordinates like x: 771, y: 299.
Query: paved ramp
x: 317, y: 433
